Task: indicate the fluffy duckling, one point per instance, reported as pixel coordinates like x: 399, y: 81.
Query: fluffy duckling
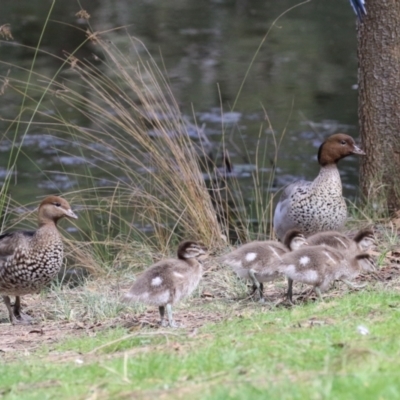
x: 168, y: 281
x: 319, y: 266
x: 363, y: 240
x: 254, y: 260
x: 30, y: 260
x: 319, y: 205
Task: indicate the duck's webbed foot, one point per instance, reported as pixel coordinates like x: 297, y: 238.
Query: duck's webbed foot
x: 19, y: 315
x: 15, y: 314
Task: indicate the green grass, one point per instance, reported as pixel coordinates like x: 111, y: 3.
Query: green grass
x: 311, y: 351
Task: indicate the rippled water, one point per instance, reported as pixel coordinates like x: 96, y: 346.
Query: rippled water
x: 303, y: 78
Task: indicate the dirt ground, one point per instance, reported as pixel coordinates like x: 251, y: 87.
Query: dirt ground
x: 22, y: 340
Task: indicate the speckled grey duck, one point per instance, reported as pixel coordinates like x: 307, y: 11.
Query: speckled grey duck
x: 168, y: 281
x: 319, y: 266
x: 362, y: 241
x: 319, y: 205
x: 254, y: 260
x: 30, y: 260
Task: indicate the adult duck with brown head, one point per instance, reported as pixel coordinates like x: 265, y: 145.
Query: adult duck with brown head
x: 29, y: 260
x: 319, y: 205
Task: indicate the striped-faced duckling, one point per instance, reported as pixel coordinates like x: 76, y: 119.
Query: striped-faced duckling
x: 30, y: 260
x: 168, y: 281
x: 319, y: 266
x: 350, y: 247
x: 317, y: 206
x: 362, y: 241
x: 255, y: 260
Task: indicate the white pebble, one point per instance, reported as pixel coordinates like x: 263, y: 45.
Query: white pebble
x: 362, y: 330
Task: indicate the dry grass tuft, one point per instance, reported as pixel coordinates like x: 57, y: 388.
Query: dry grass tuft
x: 83, y: 14
x: 157, y: 177
x: 144, y: 164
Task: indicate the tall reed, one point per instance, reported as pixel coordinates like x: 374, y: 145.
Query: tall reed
x: 143, y: 171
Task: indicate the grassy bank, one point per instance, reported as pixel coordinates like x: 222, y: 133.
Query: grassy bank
x: 315, y: 350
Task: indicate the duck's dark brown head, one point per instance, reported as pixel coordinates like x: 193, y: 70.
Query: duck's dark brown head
x: 190, y: 249
x: 53, y: 208
x: 337, y: 147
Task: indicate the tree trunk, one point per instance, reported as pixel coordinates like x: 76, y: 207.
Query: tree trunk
x: 379, y: 102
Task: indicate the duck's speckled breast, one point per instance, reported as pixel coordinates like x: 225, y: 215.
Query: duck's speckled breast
x: 31, y: 268
x: 320, y: 206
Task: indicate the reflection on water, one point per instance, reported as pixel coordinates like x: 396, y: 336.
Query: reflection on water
x: 304, y: 72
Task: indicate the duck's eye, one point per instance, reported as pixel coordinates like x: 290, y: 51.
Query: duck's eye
x: 57, y: 204
x: 343, y: 142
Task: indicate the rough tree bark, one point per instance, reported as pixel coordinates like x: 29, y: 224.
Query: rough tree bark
x: 379, y: 102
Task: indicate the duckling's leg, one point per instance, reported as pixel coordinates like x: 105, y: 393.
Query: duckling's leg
x: 171, y: 321
x: 19, y: 315
x: 289, y: 294
x: 257, y: 285
x: 254, y: 287
x: 319, y: 294
x: 161, y: 309
x: 353, y: 285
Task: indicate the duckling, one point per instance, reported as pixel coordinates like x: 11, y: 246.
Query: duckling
x: 317, y: 206
x: 30, y: 260
x: 168, y: 281
x: 254, y: 260
x: 319, y: 266
x: 363, y: 240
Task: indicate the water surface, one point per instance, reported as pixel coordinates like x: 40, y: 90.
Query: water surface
x: 303, y: 78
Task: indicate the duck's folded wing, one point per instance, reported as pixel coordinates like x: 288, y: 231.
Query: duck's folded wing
x: 9, y: 242
x: 282, y: 221
x: 294, y: 187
